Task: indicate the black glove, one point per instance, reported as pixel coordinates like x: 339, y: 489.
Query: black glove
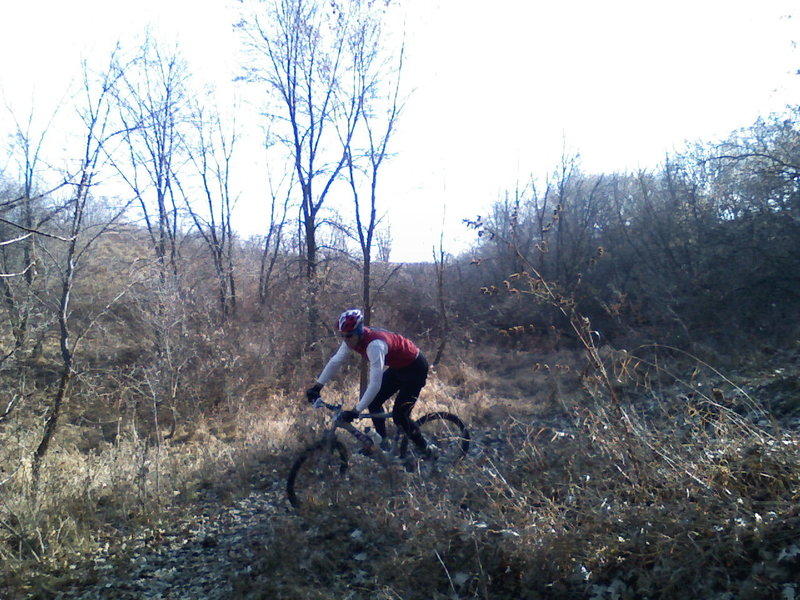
x: 312, y: 393
x: 348, y: 415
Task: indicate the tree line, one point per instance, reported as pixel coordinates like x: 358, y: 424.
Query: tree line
x: 698, y: 253
x: 152, y: 158
x: 127, y: 293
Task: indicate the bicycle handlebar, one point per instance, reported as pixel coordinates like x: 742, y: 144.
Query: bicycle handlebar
x: 337, y: 408
x: 320, y: 403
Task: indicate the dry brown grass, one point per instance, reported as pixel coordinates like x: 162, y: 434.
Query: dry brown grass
x: 88, y: 498
x: 561, y: 499
x: 667, y: 504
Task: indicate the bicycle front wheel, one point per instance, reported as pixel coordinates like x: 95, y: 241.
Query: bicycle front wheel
x: 317, y: 478
x: 445, y: 431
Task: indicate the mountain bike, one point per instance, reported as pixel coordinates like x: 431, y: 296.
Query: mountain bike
x: 323, y: 474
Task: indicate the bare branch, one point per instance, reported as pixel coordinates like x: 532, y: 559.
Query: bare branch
x: 19, y: 239
x: 31, y: 231
x: 25, y: 270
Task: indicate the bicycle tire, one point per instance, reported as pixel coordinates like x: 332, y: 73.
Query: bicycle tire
x: 316, y: 478
x: 446, y: 431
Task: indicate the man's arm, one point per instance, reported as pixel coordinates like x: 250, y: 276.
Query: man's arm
x: 376, y: 353
x: 334, y: 364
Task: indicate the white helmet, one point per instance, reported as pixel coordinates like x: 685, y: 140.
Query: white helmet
x: 351, y: 321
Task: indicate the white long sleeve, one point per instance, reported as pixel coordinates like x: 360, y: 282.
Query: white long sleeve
x: 376, y: 353
x: 334, y: 364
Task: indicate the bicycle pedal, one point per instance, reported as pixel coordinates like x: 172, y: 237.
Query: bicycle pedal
x: 430, y: 453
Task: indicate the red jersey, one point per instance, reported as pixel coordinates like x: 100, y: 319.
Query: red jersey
x: 402, y: 352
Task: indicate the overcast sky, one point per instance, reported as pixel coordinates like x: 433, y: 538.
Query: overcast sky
x: 501, y: 88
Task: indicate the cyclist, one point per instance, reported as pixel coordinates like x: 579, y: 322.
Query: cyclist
x: 406, y: 372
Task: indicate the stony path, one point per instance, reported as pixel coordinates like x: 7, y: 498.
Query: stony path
x: 209, y: 555
x: 214, y: 554
x: 199, y: 559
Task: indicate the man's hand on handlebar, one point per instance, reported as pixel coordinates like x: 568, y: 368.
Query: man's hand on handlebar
x: 312, y: 393
x: 348, y: 415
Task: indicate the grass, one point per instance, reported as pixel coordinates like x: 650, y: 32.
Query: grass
x: 562, y: 500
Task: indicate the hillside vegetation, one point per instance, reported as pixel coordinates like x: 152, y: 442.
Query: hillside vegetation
x: 625, y: 348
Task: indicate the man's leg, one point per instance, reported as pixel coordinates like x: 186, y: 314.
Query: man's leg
x: 389, y: 385
x: 402, y: 418
x: 413, y: 379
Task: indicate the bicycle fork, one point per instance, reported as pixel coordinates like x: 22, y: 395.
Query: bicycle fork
x: 369, y: 445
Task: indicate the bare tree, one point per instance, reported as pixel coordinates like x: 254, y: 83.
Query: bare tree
x: 383, y: 240
x: 21, y: 217
x: 95, y: 120
x: 212, y: 155
x: 153, y: 104
x: 298, y: 46
x: 298, y: 51
x: 375, y: 81
x: 280, y: 192
x: 440, y: 264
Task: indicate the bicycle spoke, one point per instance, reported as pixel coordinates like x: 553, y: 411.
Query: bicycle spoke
x: 447, y: 434
x: 324, y: 477
x: 317, y: 480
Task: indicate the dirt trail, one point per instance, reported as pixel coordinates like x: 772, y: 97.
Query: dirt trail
x: 217, y: 553
x: 201, y: 557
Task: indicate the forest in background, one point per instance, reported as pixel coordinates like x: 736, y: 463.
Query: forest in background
x: 700, y: 255
x: 132, y: 323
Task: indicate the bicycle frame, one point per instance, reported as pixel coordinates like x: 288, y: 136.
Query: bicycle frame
x: 327, y: 459
x: 400, y: 440
x: 361, y: 436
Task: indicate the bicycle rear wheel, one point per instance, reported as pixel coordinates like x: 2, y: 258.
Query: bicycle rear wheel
x: 445, y: 431
x: 317, y: 478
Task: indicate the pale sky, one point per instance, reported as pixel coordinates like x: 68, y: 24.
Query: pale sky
x: 501, y: 88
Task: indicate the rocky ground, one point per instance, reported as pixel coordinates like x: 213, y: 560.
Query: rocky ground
x: 224, y: 550
x: 216, y: 552
x: 202, y: 555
